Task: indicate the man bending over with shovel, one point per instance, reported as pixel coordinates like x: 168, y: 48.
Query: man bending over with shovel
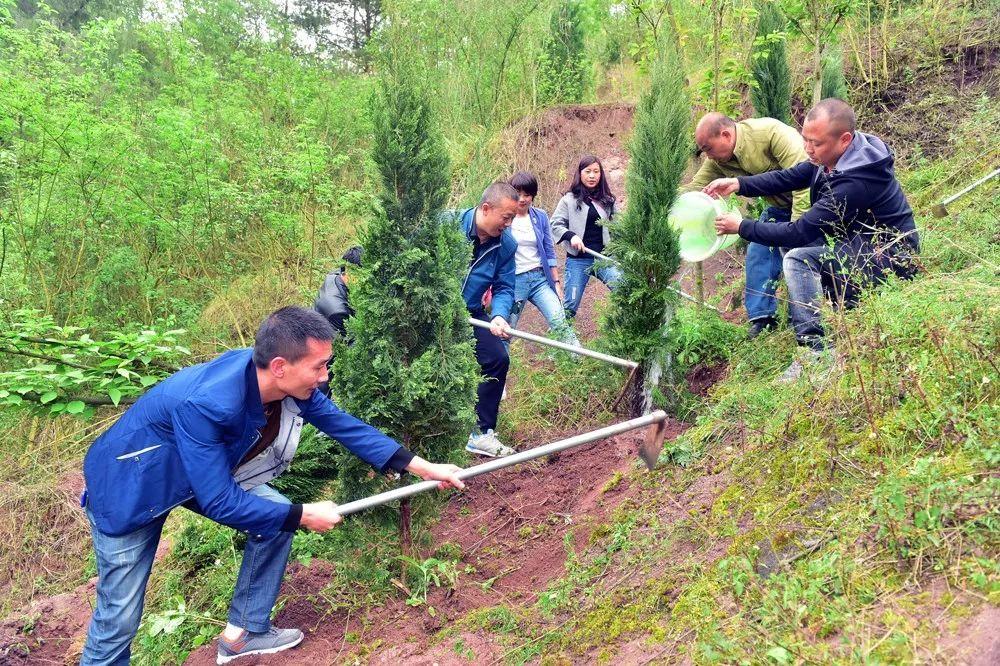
x: 209, y: 438
x: 492, y: 267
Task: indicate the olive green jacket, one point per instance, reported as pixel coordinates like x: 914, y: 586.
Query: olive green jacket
x: 762, y: 144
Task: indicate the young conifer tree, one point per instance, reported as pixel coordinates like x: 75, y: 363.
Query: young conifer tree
x: 834, y: 84
x: 410, y: 370
x: 564, y: 71
x: 772, y: 97
x: 645, y: 245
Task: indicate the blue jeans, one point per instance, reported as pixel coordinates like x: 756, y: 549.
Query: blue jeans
x: 842, y: 273
x: 123, y: 567
x: 532, y: 287
x: 578, y: 272
x: 763, y: 270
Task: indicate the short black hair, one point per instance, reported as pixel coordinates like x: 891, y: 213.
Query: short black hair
x: 525, y: 181
x: 838, y: 112
x: 353, y: 256
x: 286, y: 333
x: 498, y: 192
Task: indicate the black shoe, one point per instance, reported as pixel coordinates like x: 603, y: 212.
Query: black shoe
x: 758, y: 326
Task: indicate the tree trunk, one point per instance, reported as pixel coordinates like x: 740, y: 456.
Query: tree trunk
x: 717, y: 55
x: 699, y: 282
x: 818, y: 69
x: 405, y: 537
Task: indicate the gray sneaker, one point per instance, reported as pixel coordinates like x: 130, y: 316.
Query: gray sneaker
x: 815, y: 363
x: 269, y: 642
x: 487, y: 444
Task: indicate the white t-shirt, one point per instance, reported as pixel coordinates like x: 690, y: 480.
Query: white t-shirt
x: 526, y: 258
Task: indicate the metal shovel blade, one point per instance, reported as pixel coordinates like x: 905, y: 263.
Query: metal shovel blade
x: 650, y: 449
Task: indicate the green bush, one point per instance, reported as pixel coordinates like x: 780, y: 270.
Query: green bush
x: 410, y: 370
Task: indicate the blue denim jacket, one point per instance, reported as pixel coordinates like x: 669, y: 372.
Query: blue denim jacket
x: 184, y: 439
x: 494, y: 267
x: 543, y: 241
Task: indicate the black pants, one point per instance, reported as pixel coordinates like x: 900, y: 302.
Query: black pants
x: 494, y: 363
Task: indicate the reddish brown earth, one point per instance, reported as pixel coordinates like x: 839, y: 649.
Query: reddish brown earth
x: 50, y: 631
x: 509, y: 526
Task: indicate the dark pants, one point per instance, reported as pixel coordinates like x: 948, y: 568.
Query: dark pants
x: 842, y: 274
x: 493, y: 362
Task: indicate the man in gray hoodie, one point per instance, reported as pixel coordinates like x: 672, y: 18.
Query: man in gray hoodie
x: 857, y: 206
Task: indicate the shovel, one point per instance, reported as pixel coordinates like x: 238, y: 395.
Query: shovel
x: 941, y: 210
x: 649, y: 451
x: 604, y: 257
x: 582, y: 351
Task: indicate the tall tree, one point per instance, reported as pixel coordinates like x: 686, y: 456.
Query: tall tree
x: 772, y: 96
x: 818, y: 21
x: 564, y: 70
x: 340, y: 26
x: 410, y: 370
x: 646, y: 247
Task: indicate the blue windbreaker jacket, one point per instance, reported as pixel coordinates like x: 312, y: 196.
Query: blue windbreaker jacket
x: 494, y: 268
x: 543, y: 242
x: 184, y: 439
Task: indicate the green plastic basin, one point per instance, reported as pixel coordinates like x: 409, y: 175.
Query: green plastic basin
x: 693, y: 216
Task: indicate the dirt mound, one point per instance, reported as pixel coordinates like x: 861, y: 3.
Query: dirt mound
x: 51, y: 631
x: 551, y: 144
x: 924, y: 95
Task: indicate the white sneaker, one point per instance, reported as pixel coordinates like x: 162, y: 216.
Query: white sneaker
x: 487, y: 444
x: 503, y: 396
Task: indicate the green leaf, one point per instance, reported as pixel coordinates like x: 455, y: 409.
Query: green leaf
x: 48, y: 397
x: 75, y: 407
x: 148, y: 380
x: 115, y: 395
x: 779, y: 654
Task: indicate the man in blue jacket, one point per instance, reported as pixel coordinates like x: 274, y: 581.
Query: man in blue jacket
x: 487, y: 228
x: 857, y: 206
x: 209, y: 438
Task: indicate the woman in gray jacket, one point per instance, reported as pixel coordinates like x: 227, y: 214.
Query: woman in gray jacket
x: 580, y: 221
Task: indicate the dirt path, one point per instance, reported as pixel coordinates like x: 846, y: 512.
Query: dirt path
x: 509, y: 527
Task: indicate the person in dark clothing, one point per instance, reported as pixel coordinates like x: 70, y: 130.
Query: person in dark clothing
x: 580, y: 221
x: 333, y: 300
x: 209, y: 438
x: 487, y: 228
x: 857, y: 206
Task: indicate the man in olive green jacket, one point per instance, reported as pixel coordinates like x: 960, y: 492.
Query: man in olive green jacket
x: 747, y: 148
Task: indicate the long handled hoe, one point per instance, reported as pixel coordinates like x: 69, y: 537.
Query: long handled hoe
x: 941, y: 209
x: 632, y: 366
x: 604, y: 257
x: 582, y: 351
x: 649, y: 451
